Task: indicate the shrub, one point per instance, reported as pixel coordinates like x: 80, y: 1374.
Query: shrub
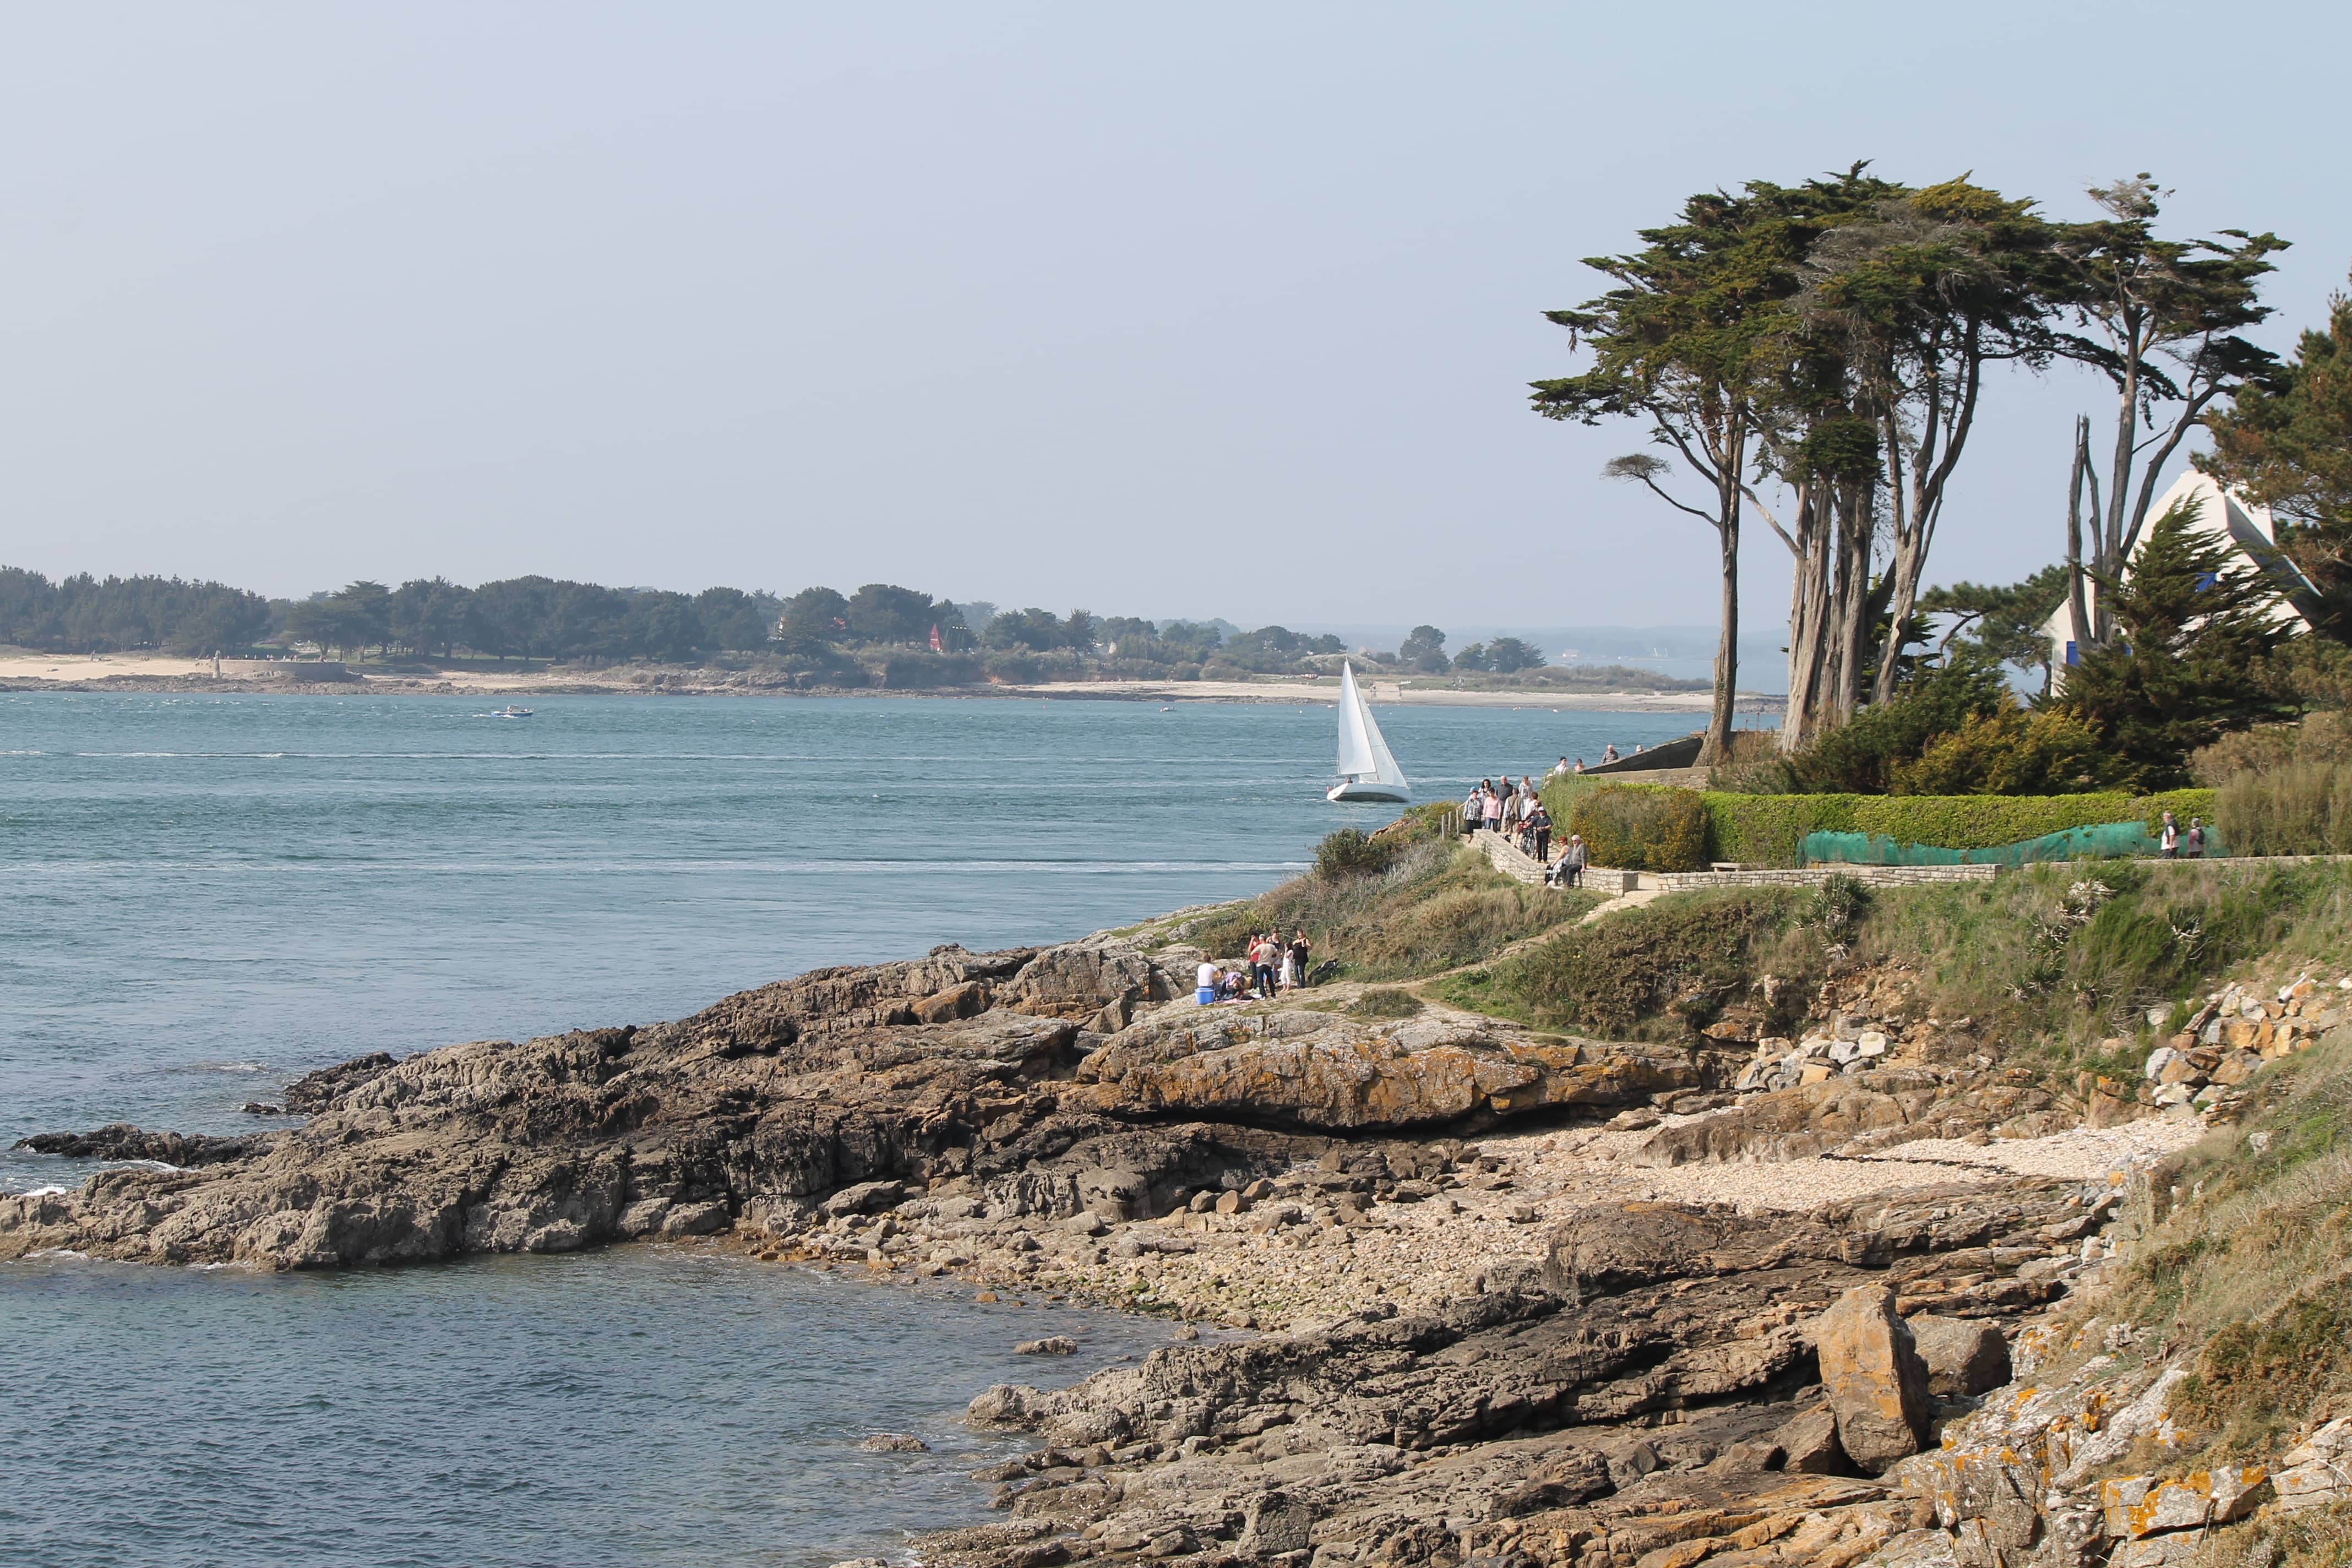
x: 2266, y: 748
x: 2015, y: 752
x: 2286, y: 789
x: 916, y: 670
x: 1014, y: 669
x: 1385, y: 1002
x: 1862, y: 755
x: 1352, y: 852
x: 1639, y: 827
x: 2303, y: 808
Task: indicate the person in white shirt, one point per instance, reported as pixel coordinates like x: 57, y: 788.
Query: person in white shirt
x: 1561, y: 771
x: 1206, y: 978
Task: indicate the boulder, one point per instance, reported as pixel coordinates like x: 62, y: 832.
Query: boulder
x: 1878, y: 1384
x: 960, y: 1001
x: 1808, y: 1445
x: 864, y: 1197
x: 1272, y: 1523
x: 1964, y: 1356
x: 894, y: 1443
x: 1052, y: 1344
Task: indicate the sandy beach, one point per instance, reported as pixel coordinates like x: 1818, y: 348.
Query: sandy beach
x: 161, y: 672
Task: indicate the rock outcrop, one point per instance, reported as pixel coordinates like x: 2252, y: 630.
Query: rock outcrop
x: 1332, y: 1073
x: 1017, y: 1074
x: 1657, y: 1391
x: 123, y: 1141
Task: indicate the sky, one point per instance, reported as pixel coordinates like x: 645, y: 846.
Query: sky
x: 1213, y: 309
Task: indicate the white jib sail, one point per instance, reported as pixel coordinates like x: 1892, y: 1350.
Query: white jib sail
x: 1358, y: 737
x: 1387, y: 771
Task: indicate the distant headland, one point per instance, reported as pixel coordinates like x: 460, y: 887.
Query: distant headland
x: 539, y: 636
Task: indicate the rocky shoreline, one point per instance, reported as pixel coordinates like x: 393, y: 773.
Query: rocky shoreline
x: 1514, y: 1298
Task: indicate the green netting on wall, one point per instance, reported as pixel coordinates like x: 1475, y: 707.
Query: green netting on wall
x: 2104, y: 840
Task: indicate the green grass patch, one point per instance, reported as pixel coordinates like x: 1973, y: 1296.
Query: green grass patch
x: 1436, y: 906
x: 1385, y: 1002
x: 2050, y: 962
x: 1653, y: 973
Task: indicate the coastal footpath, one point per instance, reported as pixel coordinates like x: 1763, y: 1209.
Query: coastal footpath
x: 1487, y: 1292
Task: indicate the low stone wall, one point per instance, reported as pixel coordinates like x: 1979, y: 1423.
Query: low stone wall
x: 1512, y: 861
x: 1508, y: 858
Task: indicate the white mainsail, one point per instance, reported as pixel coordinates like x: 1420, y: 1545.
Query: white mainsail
x: 1368, y: 769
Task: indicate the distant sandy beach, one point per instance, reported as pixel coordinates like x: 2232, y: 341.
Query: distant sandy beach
x: 158, y: 672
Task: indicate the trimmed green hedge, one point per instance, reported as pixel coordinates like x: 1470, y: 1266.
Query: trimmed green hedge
x: 1769, y: 829
x: 1642, y: 829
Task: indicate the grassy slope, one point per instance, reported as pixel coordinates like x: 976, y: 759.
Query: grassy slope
x: 1439, y: 906
x: 2053, y: 960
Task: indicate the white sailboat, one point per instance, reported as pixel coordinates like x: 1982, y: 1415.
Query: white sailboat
x: 1368, y: 770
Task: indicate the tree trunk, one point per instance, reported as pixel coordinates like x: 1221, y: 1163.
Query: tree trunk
x: 1809, y: 618
x: 2079, y: 622
x: 2119, y: 470
x: 1717, y: 750
x: 1853, y: 598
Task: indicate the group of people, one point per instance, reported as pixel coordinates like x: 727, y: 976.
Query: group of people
x: 1607, y: 754
x: 1273, y: 965
x: 1515, y: 811
x: 2175, y: 845
x: 1518, y: 813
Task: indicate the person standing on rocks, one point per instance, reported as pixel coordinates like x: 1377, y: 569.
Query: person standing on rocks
x: 1301, y: 951
x: 1260, y: 953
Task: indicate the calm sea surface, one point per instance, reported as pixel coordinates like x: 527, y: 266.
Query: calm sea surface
x: 206, y: 896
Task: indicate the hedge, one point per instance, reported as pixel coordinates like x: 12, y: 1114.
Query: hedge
x: 1769, y: 829
x: 1642, y: 829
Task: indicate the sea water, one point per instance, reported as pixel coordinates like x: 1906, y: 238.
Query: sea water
x: 207, y: 896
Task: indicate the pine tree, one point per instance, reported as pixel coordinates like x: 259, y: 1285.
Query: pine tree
x: 2195, y: 622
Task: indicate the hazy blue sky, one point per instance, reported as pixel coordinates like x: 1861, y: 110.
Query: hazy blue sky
x: 1202, y: 308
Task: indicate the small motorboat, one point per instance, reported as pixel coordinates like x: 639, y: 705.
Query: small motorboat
x: 1368, y: 769
x: 508, y: 712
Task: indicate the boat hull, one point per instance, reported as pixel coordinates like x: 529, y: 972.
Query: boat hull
x: 1367, y: 789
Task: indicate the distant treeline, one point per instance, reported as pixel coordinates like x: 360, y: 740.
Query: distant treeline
x: 841, y: 637
x: 83, y: 615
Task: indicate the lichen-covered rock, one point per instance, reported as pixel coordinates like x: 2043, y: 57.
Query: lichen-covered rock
x: 1877, y: 1383
x: 1321, y: 1071
x: 1964, y: 1356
